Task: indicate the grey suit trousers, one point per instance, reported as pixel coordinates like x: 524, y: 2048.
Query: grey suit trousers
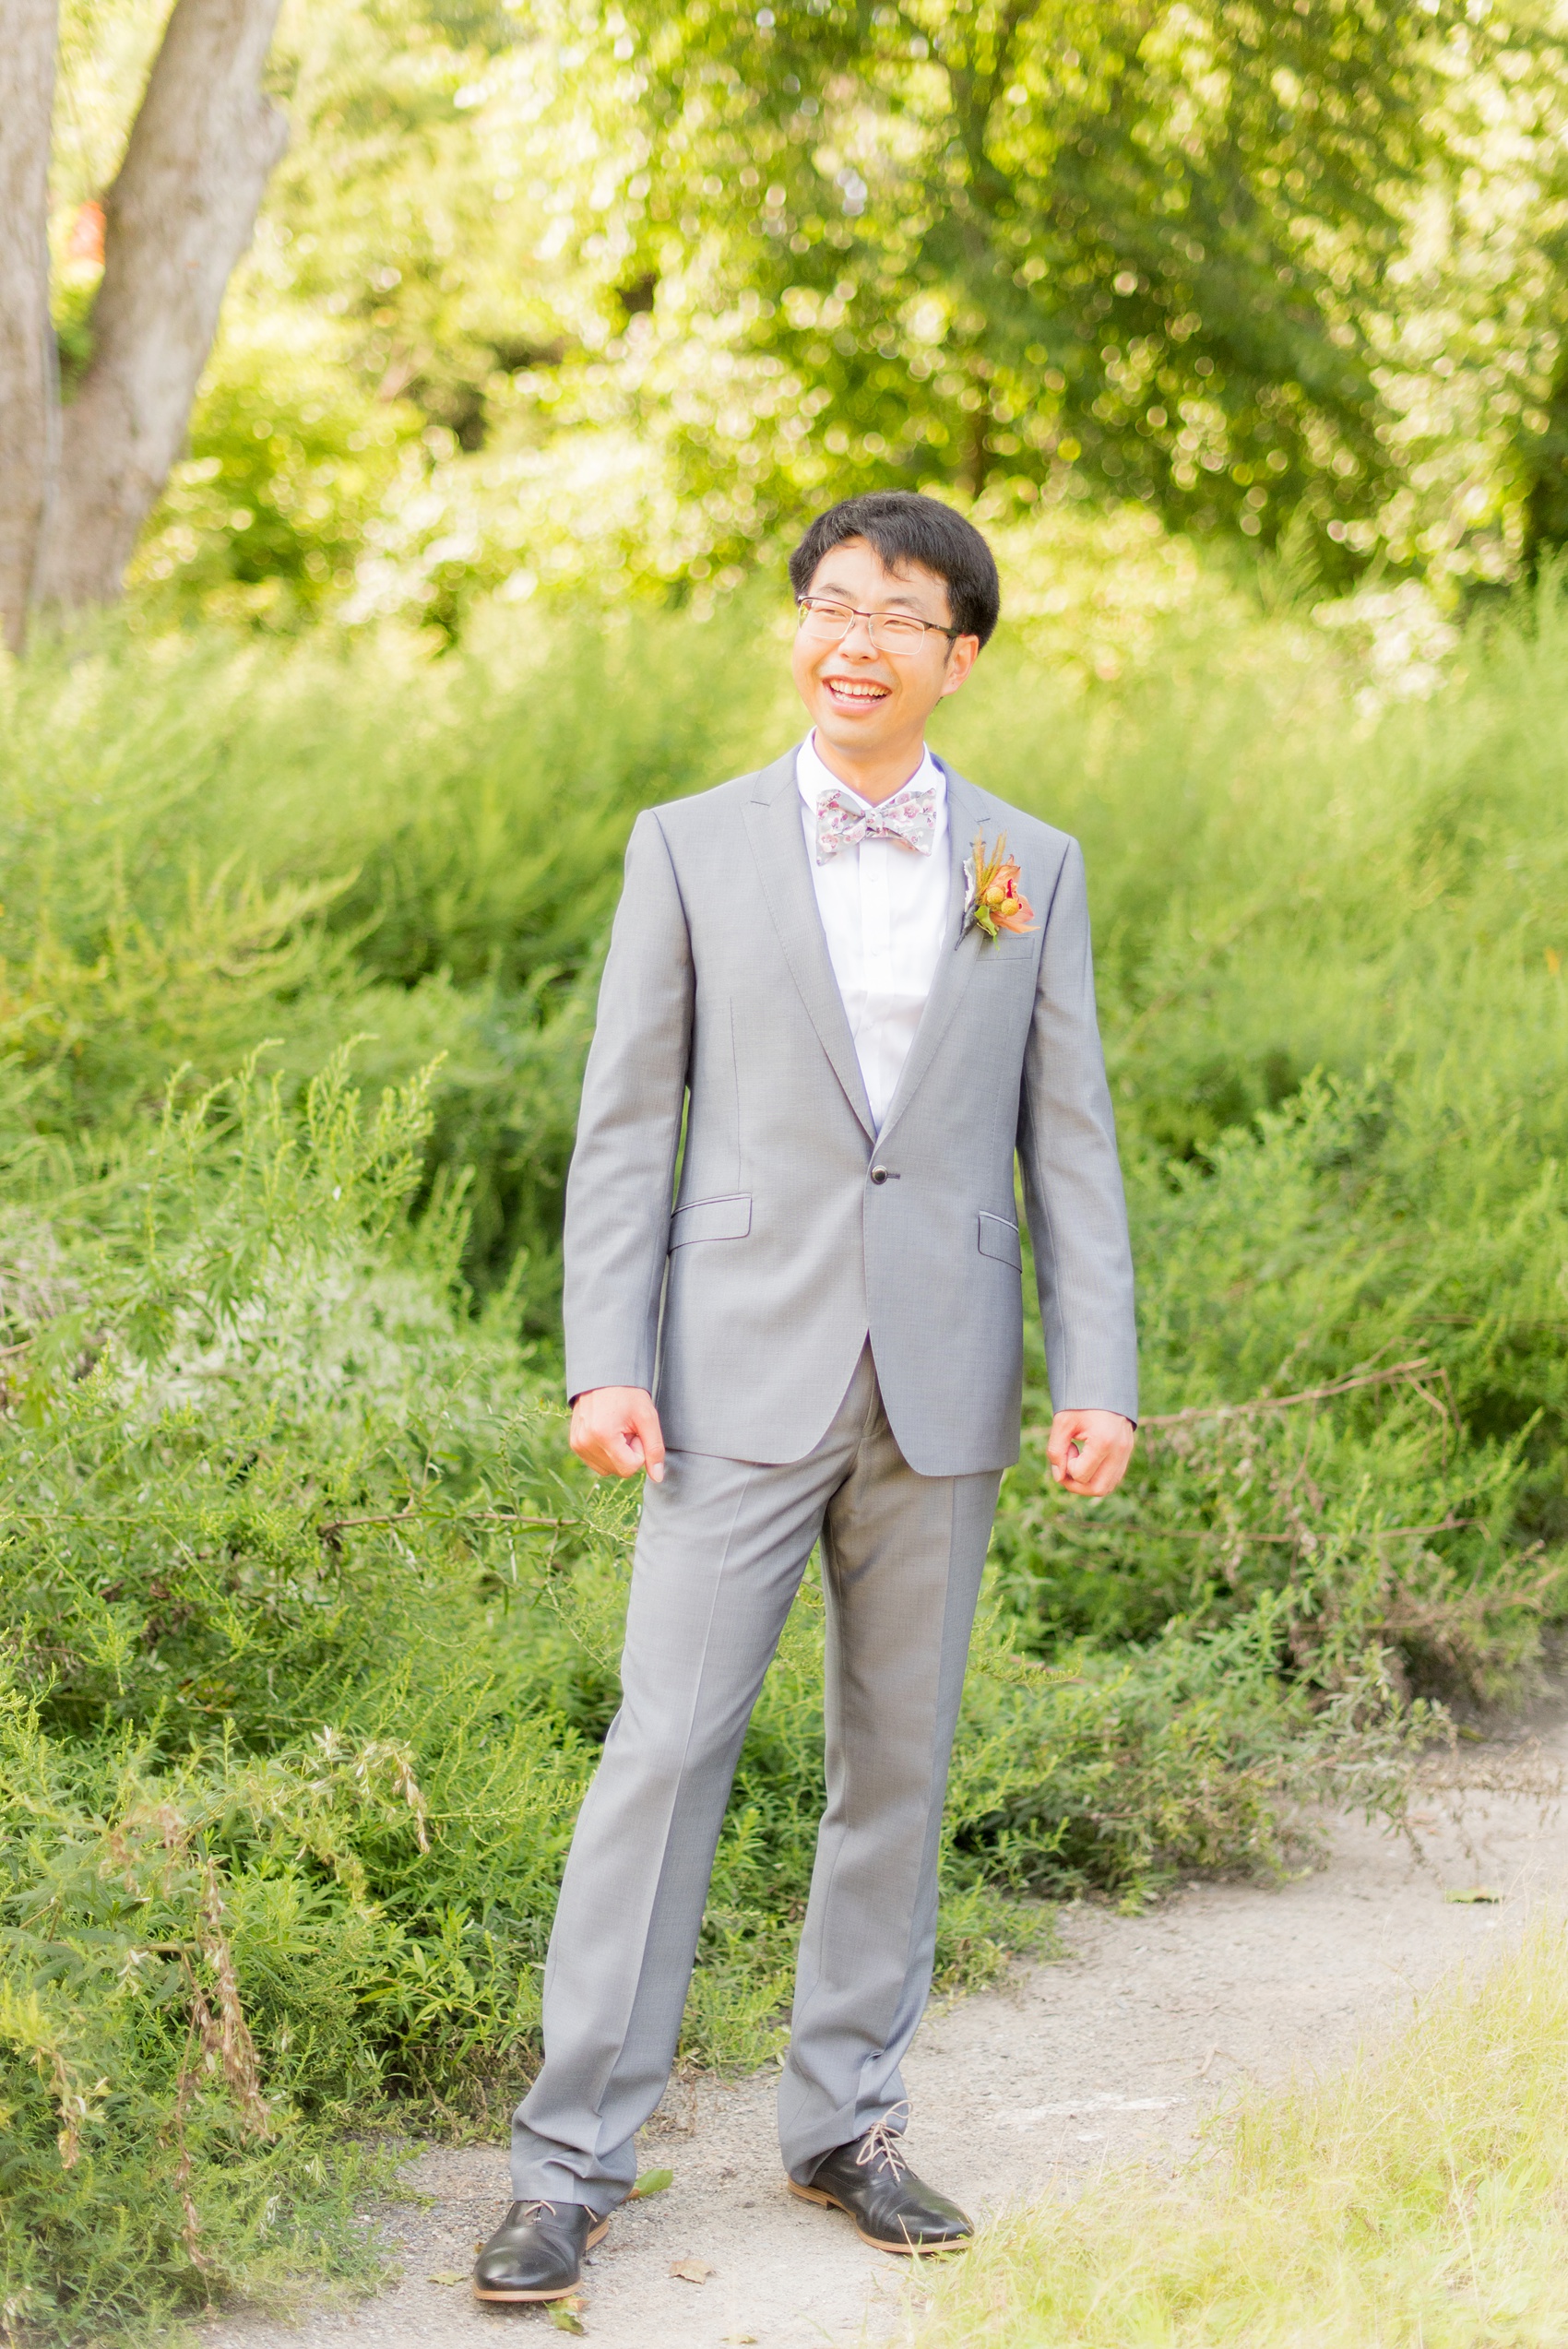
x: 719, y: 1556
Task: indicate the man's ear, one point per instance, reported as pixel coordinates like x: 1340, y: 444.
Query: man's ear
x: 960, y: 661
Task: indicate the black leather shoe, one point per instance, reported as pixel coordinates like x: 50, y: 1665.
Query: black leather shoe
x: 891, y: 2208
x: 536, y: 2253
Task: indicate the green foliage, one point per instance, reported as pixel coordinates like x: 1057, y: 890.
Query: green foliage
x: 570, y: 293
x: 265, y: 518
x: 1414, y: 1499
x: 143, y: 2164
x: 1139, y: 242
x: 429, y: 857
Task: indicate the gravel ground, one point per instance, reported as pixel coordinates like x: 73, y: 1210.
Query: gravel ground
x: 1118, y: 2048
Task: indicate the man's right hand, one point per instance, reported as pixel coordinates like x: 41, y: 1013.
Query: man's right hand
x: 616, y: 1430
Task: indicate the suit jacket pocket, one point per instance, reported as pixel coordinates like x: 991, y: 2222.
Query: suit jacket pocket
x: 998, y: 1238
x: 729, y: 1218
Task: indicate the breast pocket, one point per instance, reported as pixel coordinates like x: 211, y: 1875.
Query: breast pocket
x: 726, y: 1218
x: 1000, y: 1238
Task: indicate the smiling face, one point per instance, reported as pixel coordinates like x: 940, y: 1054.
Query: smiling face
x: 869, y: 706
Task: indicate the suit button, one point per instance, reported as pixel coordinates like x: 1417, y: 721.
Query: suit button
x: 879, y: 1174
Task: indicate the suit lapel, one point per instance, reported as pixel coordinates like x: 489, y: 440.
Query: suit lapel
x: 773, y: 821
x: 967, y: 811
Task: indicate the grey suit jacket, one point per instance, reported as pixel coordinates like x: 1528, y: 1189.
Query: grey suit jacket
x: 743, y: 1293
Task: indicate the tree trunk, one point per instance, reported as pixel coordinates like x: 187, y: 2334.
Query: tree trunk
x: 28, y: 410
x: 180, y: 214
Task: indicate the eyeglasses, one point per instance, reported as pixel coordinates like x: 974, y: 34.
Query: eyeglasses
x: 894, y: 632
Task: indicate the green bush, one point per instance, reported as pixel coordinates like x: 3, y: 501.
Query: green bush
x: 262, y: 521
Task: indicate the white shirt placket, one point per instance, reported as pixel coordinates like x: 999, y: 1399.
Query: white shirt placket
x: 876, y: 949
x: 884, y: 913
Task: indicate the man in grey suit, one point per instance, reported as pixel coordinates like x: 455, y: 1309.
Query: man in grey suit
x: 835, y: 1015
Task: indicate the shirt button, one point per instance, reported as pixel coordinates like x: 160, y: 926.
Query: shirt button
x: 879, y: 1174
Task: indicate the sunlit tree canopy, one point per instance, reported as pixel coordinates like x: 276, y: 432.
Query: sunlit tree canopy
x: 564, y: 290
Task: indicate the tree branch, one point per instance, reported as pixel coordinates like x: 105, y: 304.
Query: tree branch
x: 1410, y: 1374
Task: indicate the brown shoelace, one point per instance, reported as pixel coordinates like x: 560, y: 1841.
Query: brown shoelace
x: 880, y: 2143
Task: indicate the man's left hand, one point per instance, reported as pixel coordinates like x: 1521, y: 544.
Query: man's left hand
x: 1088, y: 1451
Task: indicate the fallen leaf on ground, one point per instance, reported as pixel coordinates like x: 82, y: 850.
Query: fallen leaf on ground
x: 447, y: 2275
x: 741, y: 2340
x: 652, y: 2181
x: 691, y: 2271
x: 564, y: 2315
x: 1474, y: 1896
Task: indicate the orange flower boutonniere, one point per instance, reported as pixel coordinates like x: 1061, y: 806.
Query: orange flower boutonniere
x: 993, y: 901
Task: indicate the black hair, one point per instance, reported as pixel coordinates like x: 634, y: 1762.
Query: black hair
x: 904, y: 527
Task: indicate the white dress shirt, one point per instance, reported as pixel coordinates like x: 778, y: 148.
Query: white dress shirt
x: 885, y: 911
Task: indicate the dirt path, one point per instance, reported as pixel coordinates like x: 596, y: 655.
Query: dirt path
x: 1116, y: 2049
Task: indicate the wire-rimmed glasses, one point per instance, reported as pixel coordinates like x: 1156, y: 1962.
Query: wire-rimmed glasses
x: 827, y: 621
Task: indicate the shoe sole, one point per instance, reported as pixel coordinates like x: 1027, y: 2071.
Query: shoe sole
x: 560, y: 2291
x: 905, y: 2250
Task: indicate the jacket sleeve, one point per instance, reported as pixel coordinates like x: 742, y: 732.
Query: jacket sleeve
x: 1072, y: 1193
x: 620, y: 1189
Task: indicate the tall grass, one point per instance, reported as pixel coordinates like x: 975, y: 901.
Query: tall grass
x: 1417, y: 2199
x: 308, y: 1622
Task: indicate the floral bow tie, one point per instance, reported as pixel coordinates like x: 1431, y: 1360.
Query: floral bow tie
x: 909, y: 816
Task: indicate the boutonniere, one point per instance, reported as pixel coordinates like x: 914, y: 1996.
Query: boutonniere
x: 993, y: 901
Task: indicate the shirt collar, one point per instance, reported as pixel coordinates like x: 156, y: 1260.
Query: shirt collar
x: 815, y: 779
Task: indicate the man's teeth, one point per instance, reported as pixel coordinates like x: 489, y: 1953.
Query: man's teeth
x: 855, y: 693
